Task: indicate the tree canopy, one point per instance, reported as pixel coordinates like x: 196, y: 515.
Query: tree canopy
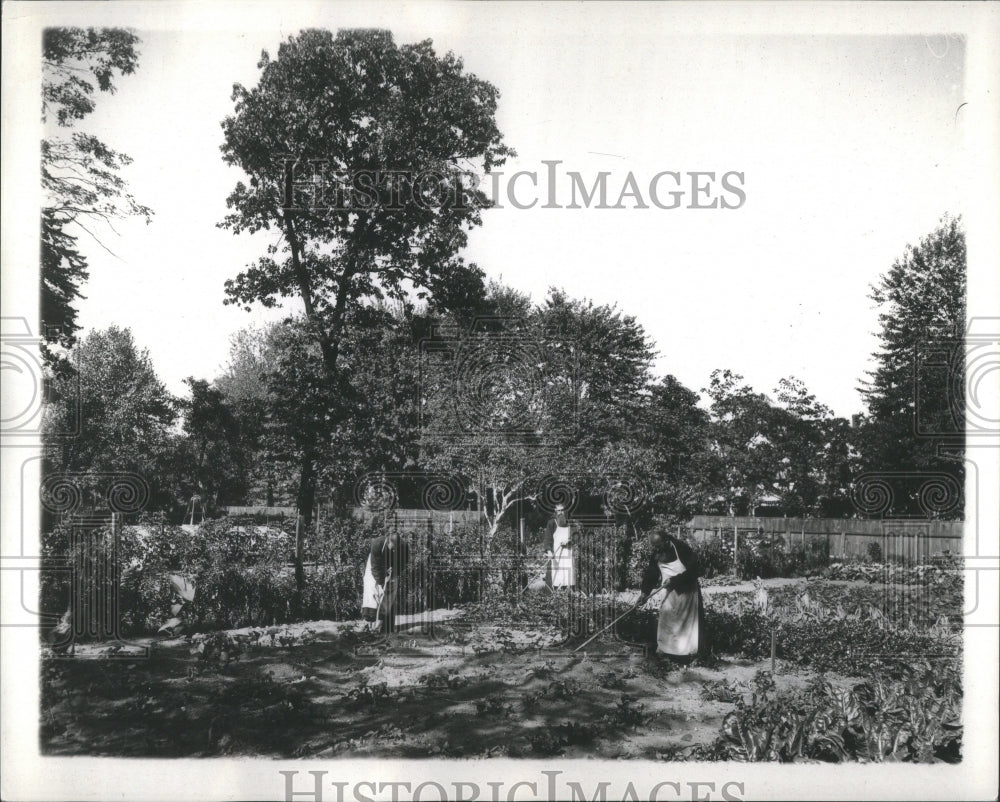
x: 81, y: 176
x: 390, y: 133
x: 366, y: 156
x: 916, y: 395
x: 113, y: 414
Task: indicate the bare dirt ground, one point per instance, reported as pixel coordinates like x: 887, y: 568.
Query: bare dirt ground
x: 332, y: 688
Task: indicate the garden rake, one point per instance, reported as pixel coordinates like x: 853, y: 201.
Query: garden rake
x: 378, y: 610
x: 629, y: 611
x: 541, y: 574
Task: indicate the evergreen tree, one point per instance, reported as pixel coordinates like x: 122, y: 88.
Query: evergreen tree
x: 915, y: 396
x: 81, y: 178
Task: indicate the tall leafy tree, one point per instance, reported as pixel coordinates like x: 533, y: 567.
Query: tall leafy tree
x: 482, y: 404
x: 744, y: 455
x: 243, y: 383
x: 81, y: 176
x: 211, y: 445
x: 276, y: 386
x: 359, y: 152
x: 381, y: 429
x: 605, y: 358
x: 536, y: 394
x: 814, y: 460
x: 120, y: 410
x: 915, y: 395
x: 677, y: 433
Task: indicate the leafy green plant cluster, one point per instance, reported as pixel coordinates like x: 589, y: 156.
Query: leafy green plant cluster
x: 943, y: 572
x: 365, y: 695
x: 493, y: 706
x: 908, y: 607
x: 848, y: 646
x: 720, y: 691
x: 242, y: 572
x: 611, y: 680
x: 563, y: 689
x: 443, y: 681
x: 714, y: 556
x: 628, y: 713
x: 216, y: 650
x: 531, y: 700
x: 912, y: 719
x: 552, y: 741
x: 766, y: 556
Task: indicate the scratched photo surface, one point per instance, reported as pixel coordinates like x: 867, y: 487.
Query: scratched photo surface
x: 443, y: 387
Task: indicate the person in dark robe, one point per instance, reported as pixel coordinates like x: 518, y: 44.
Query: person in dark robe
x: 680, y: 630
x: 557, y: 539
x: 387, y: 559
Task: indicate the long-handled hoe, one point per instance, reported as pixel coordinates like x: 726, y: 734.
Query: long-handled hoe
x: 629, y: 611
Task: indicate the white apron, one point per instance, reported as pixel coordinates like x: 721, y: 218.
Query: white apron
x: 677, y: 628
x: 562, y: 559
x: 370, y: 588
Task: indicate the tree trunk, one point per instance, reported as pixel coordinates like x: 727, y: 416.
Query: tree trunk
x: 300, y: 579
x: 307, y: 485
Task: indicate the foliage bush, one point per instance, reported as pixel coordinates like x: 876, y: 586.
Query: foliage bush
x: 874, y: 552
x: 851, y: 638
x: 763, y: 557
x: 145, y: 556
x: 458, y: 570
x: 242, y: 572
x: 713, y: 555
x: 334, y: 554
x: 943, y: 572
x: 914, y: 718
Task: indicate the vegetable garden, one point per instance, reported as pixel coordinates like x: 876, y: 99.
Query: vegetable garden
x: 856, y: 662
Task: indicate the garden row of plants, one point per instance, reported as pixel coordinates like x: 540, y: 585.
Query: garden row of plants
x: 914, y: 717
x: 243, y: 574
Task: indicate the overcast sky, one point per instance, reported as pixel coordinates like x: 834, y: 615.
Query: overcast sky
x: 849, y: 146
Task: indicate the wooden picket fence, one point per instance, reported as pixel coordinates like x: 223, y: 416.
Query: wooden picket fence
x: 908, y: 538
x: 844, y: 537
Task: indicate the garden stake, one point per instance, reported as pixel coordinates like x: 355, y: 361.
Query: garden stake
x: 772, y: 650
x: 631, y: 609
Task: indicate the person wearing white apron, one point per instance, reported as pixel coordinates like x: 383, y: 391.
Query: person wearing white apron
x: 679, y: 627
x: 371, y: 592
x: 559, y: 547
x: 387, y: 557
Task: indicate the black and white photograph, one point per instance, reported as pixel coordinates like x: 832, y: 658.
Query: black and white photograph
x: 500, y: 401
